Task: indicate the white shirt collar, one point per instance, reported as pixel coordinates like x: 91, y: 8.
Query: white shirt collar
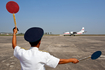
x: 34, y: 48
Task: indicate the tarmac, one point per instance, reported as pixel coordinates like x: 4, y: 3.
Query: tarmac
x: 63, y: 47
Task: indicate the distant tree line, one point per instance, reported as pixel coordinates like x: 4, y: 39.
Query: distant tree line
x: 5, y: 33
x: 20, y: 34
x: 48, y: 33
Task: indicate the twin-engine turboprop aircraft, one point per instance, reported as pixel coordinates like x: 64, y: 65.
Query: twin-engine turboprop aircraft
x: 74, y: 33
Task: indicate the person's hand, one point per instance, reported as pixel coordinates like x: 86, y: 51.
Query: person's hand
x: 15, y: 30
x: 75, y: 60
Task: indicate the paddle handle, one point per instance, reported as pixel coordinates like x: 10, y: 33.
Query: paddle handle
x: 84, y: 58
x: 14, y: 19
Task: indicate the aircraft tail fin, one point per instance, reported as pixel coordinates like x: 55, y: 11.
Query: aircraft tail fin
x: 82, y: 30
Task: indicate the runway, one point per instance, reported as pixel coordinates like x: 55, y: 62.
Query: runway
x: 60, y: 46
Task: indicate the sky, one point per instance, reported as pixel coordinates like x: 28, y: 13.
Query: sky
x: 55, y: 16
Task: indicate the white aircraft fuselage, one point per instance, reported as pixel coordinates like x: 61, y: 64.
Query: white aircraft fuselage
x: 74, y: 33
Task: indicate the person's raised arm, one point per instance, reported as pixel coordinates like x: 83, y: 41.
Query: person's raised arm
x: 14, y: 43
x: 64, y: 61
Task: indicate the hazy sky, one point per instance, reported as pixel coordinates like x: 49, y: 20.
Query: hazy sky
x: 56, y: 16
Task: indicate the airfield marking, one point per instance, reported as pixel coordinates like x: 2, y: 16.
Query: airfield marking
x: 102, y: 57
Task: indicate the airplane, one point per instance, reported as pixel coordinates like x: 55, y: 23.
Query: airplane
x: 74, y: 33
